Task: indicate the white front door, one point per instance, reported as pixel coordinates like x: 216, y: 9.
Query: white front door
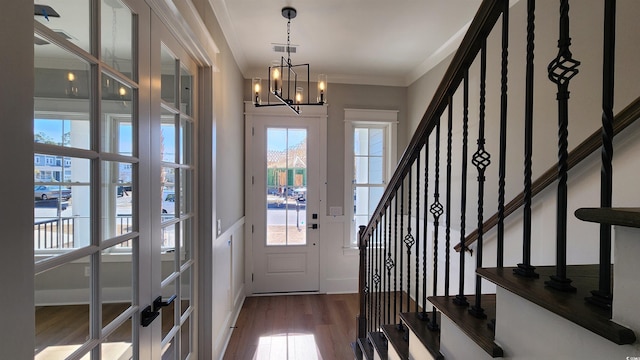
x: 285, y: 202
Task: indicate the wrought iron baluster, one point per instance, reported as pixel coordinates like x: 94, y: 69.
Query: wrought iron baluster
x: 561, y: 70
x: 447, y: 217
x: 417, y: 298
x: 389, y: 264
x: 460, y: 299
x: 409, y: 240
x: 436, y: 210
x: 603, y: 296
x: 362, y: 283
x: 525, y: 269
x: 503, y: 133
x: 399, y: 323
x: 376, y: 276
x: 481, y: 160
x: 395, y: 257
x: 425, y: 223
x: 369, y: 285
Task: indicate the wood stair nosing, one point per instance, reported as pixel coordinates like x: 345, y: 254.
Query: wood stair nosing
x: 476, y: 329
x: 429, y: 339
x: 396, y: 339
x: 379, y: 342
x: 568, y: 305
x: 366, y: 349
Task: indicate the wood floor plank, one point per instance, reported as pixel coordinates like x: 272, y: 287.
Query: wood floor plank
x: 301, y: 327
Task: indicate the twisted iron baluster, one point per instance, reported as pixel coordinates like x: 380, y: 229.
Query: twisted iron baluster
x: 525, y: 269
x: 447, y: 217
x: 395, y: 256
x: 399, y: 324
x: 436, y: 210
x: 603, y: 296
x: 561, y: 70
x: 503, y: 133
x: 389, y: 264
x: 460, y: 299
x: 424, y: 315
x: 376, y: 276
x: 481, y: 160
x: 409, y: 240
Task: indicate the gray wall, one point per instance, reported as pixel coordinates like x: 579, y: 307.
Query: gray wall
x: 345, y: 96
x: 229, y: 125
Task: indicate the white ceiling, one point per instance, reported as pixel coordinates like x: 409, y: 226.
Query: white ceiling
x: 378, y: 42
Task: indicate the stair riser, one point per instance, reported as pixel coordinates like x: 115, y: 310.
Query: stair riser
x: 454, y: 344
x: 416, y: 350
x: 527, y: 331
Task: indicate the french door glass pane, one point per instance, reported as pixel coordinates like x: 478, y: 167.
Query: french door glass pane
x: 117, y: 199
x: 62, y: 297
x: 168, y: 138
x: 186, y: 141
x: 185, y: 290
x: 185, y: 339
x: 116, y: 119
x: 186, y: 240
x: 116, y: 282
x: 168, y: 312
x: 186, y: 91
x: 62, y: 205
x: 168, y: 80
x: 168, y: 180
x: 72, y: 23
x: 118, y: 345
x: 168, y: 246
x: 116, y: 36
x: 286, y: 186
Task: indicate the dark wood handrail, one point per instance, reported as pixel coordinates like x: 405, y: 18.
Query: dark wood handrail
x: 622, y: 120
x: 486, y: 17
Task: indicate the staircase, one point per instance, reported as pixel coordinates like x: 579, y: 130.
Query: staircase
x: 531, y: 281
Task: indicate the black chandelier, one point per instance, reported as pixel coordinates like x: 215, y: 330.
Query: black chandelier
x: 284, y: 71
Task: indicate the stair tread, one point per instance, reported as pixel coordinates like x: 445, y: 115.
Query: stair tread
x: 571, y: 306
x: 429, y: 339
x: 614, y: 216
x: 475, y: 328
x: 366, y: 349
x: 396, y: 339
x: 379, y: 344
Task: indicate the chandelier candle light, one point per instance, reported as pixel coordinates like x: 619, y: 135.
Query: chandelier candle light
x: 285, y: 72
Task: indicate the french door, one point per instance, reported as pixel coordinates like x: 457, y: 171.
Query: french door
x: 285, y: 203
x: 114, y: 169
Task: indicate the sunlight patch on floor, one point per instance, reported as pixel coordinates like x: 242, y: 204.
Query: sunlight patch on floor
x: 287, y: 347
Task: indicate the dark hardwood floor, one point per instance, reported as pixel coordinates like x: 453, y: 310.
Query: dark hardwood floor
x: 295, y: 327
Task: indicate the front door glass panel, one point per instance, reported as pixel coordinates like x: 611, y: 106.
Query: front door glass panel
x: 286, y: 186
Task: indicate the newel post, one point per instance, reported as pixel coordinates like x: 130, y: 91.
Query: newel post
x: 362, y: 284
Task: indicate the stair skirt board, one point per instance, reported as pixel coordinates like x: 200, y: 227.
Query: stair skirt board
x: 366, y: 349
